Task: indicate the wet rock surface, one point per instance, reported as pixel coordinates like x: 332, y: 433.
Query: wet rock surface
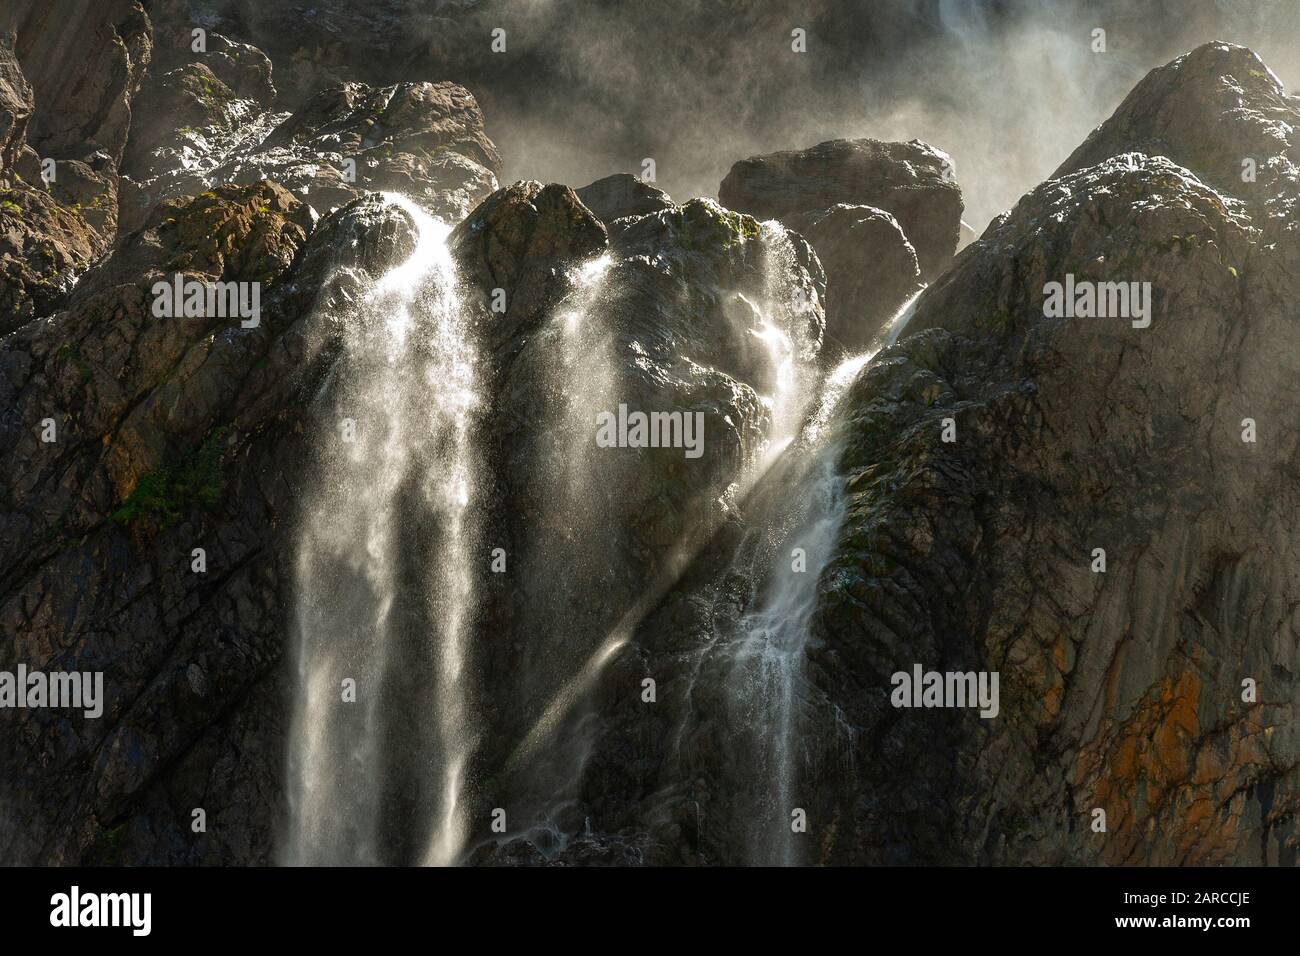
x: 1121, y: 690
x: 425, y: 140
x: 658, y: 318
x: 871, y: 270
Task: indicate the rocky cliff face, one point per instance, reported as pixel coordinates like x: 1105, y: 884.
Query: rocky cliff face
x: 171, y: 435
x: 1158, y: 686
x: 952, y: 493
x: 425, y: 140
x: 85, y: 60
x: 1122, y: 690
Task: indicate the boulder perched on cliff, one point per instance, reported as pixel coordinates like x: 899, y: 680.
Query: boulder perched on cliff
x: 913, y: 182
x: 622, y: 194
x: 522, y: 239
x: 871, y: 270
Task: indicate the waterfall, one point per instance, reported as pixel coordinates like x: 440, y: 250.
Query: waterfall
x: 563, y: 545
x: 798, y: 525
x: 393, y: 523
x: 767, y: 651
x: 584, y: 355
x: 383, y: 585
x: 792, y: 357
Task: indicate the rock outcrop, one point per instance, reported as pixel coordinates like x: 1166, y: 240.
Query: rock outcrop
x: 49, y: 231
x: 425, y: 140
x: 883, y: 218
x: 913, y: 182
x: 85, y: 60
x: 871, y: 270
x: 43, y: 247
x: 1249, y: 151
x: 15, y: 106
x: 622, y: 195
x: 663, y: 317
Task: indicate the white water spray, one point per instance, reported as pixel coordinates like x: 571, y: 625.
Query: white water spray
x: 383, y: 584
x: 780, y: 325
x: 768, y: 653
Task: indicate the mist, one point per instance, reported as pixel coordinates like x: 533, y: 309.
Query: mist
x: 588, y: 88
x: 1008, y: 89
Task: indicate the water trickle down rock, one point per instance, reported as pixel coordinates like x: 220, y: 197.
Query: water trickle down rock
x: 1120, y: 691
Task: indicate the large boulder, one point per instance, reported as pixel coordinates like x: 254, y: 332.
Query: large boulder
x: 913, y: 182
x: 522, y: 239
x: 871, y: 270
x: 622, y: 194
x: 180, y: 112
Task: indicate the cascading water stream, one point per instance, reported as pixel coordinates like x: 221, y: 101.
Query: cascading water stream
x: 383, y: 586
x: 768, y: 651
x: 778, y: 326
x: 384, y: 592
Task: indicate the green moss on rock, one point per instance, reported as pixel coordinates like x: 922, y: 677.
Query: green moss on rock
x: 166, y: 495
